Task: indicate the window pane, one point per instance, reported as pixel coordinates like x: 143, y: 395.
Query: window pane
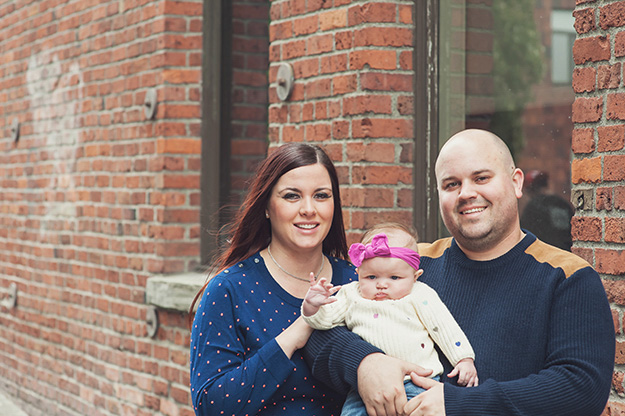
x: 496, y: 73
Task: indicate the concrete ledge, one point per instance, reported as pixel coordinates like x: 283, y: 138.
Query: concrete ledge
x: 8, y: 407
x: 174, y: 292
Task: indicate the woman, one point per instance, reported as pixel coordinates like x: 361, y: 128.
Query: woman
x: 247, y: 329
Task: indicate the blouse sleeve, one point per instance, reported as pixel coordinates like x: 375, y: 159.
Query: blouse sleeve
x: 224, y: 379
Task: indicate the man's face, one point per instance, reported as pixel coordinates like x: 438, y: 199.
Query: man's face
x: 478, y: 191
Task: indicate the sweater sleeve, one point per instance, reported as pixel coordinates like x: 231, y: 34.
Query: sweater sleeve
x: 334, y: 357
x: 333, y: 314
x: 441, y: 325
x: 577, y: 372
x: 223, y: 377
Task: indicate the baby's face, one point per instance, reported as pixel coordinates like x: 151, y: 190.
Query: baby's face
x: 382, y: 278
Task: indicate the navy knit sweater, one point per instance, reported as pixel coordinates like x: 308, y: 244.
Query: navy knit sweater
x: 538, y: 320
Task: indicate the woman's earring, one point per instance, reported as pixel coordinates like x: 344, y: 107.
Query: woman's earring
x: 267, y: 215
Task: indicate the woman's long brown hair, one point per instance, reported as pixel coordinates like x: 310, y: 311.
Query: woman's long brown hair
x: 251, y: 231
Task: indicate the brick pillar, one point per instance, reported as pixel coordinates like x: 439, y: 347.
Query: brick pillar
x: 352, y: 95
x: 598, y: 166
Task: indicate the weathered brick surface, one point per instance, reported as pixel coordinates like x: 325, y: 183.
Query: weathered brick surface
x: 599, y: 157
x: 360, y: 82
x: 94, y: 199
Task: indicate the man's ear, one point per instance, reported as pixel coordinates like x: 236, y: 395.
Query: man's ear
x: 517, y: 179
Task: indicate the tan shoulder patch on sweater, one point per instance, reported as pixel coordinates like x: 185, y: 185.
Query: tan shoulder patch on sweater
x: 435, y: 249
x: 555, y: 257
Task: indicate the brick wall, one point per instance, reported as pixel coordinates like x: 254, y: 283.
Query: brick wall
x: 250, y: 89
x: 598, y: 165
x: 94, y: 199
x: 352, y: 95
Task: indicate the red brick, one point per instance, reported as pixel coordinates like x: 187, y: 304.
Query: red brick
x: 305, y: 26
x: 615, y: 230
x: 318, y: 132
x: 368, y: 127
x: 619, y: 198
x: 615, y: 108
x: 332, y: 19
x: 611, y: 138
x: 586, y: 170
x: 609, y: 76
x: 612, y: 262
x: 587, y: 110
x: 593, y: 49
x: 385, y: 81
x: 584, y: 79
x: 340, y: 129
x: 586, y: 229
x: 583, y: 141
x: 306, y: 68
x: 405, y: 14
x: 614, y: 168
x: 612, y: 15
x: 371, y: 152
x: 619, y: 356
x: 294, y: 49
x: 319, y: 44
x: 333, y: 64
x: 381, y: 175
x: 619, y: 44
x: 405, y: 105
x: 318, y: 88
x: 374, y: 59
x: 280, y: 30
x: 343, y: 84
x: 372, y: 13
x: 383, y: 36
x: 405, y: 60
x: 584, y: 20
x: 367, y: 104
x: 343, y: 40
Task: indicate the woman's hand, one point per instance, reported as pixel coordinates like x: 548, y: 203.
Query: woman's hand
x: 294, y: 337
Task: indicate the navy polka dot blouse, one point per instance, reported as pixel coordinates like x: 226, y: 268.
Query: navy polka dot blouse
x: 237, y: 367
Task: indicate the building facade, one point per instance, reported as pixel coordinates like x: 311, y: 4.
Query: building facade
x: 129, y: 130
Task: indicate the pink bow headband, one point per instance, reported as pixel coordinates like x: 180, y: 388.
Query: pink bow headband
x: 379, y: 248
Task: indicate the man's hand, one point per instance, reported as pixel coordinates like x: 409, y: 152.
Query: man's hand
x: 381, y: 383
x: 428, y: 403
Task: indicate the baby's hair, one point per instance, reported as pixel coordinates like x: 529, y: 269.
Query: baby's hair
x: 390, y: 225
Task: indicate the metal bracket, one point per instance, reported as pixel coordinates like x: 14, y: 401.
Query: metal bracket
x: 285, y: 80
x: 150, y: 104
x: 10, y: 301
x: 582, y: 199
x: 151, y: 320
x: 15, y: 130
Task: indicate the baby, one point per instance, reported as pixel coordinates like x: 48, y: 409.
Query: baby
x: 390, y: 309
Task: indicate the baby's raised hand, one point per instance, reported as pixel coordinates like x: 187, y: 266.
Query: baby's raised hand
x: 466, y: 372
x: 320, y: 293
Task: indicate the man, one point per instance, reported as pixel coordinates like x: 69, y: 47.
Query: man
x: 536, y: 316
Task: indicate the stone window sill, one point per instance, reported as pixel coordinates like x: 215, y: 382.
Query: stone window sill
x: 173, y: 292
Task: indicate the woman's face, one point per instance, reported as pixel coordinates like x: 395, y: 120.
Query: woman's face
x: 301, y: 208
